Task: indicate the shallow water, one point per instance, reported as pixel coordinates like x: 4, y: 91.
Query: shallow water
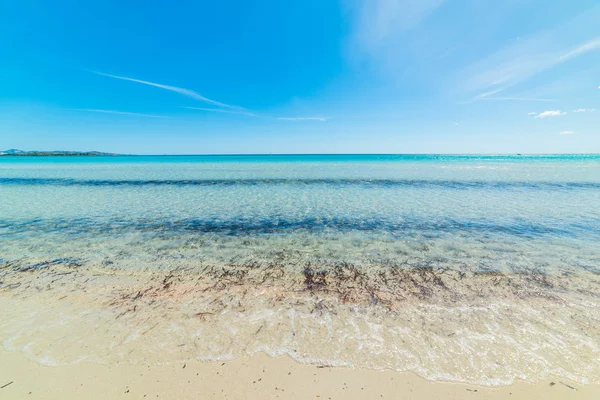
x: 479, y: 269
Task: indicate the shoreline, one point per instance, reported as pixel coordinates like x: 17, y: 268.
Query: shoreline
x: 62, y: 315
x: 258, y: 376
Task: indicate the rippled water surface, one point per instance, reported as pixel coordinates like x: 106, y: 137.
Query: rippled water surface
x: 481, y: 269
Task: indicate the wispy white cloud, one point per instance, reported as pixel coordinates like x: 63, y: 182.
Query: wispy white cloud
x: 581, y: 110
x: 182, y: 91
x: 581, y: 49
x: 530, y: 56
x: 378, y: 20
x: 225, y: 108
x: 251, y: 114
x: 220, y: 110
x: 382, y: 32
x: 132, y: 114
x: 518, y: 99
x: 302, y: 118
x: 488, y: 96
x: 532, y: 113
x: 550, y: 113
x: 566, y: 132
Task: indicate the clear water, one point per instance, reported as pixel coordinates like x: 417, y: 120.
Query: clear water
x: 518, y: 216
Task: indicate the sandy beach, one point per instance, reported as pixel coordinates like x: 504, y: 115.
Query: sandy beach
x: 257, y: 377
x: 57, y: 315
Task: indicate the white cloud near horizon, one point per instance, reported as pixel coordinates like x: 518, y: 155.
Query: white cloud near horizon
x: 581, y: 110
x: 532, y: 113
x: 182, y: 91
x: 550, y: 113
x: 566, y: 132
x: 132, y: 114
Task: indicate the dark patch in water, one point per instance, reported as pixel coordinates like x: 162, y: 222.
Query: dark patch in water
x: 409, y: 226
x: 418, y: 183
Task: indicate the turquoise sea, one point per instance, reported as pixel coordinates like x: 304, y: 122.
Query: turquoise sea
x: 523, y: 218
x: 362, y: 206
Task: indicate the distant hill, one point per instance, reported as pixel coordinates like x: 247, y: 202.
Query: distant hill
x: 11, y: 152
x: 17, y: 152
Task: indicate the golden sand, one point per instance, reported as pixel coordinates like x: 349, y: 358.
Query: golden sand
x: 257, y: 377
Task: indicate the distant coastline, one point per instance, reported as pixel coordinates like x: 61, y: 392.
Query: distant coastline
x: 43, y: 153
x: 36, y: 153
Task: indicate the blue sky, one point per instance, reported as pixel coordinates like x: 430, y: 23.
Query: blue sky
x: 311, y: 76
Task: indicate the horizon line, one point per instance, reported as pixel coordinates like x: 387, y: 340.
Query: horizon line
x: 112, y: 154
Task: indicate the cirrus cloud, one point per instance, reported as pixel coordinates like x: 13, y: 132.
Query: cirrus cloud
x: 302, y: 118
x: 116, y: 112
